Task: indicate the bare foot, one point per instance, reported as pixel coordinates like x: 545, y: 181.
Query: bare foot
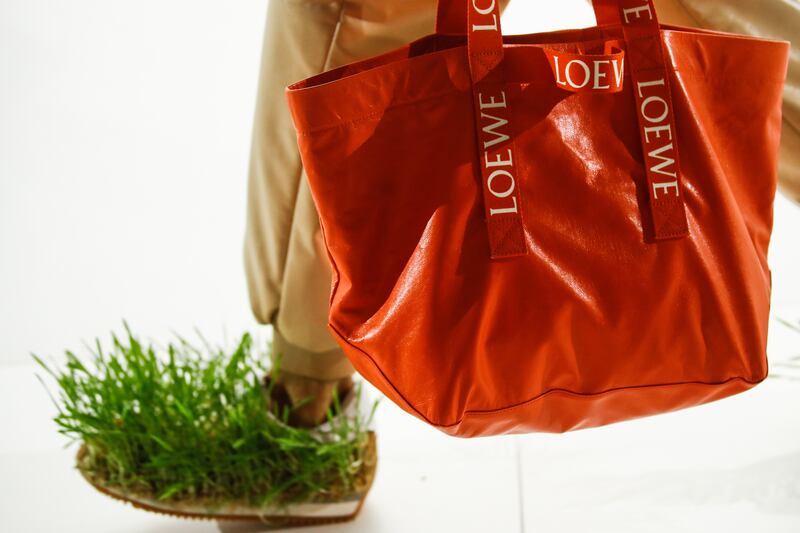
x: 294, y: 388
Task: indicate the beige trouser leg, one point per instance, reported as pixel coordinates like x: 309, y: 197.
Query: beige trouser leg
x: 287, y: 269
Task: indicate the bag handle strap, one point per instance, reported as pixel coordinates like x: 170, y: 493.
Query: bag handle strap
x: 649, y: 71
x: 494, y: 126
x: 606, y: 12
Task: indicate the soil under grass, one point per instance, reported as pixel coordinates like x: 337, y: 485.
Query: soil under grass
x: 196, y: 425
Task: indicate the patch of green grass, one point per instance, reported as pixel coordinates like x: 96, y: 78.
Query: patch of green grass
x: 184, y: 423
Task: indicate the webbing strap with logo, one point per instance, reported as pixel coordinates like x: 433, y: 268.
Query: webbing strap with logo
x: 501, y: 199
x: 648, y: 69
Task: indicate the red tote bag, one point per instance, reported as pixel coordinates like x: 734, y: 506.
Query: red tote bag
x: 552, y: 231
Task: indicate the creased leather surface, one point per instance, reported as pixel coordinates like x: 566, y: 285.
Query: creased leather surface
x: 594, y: 325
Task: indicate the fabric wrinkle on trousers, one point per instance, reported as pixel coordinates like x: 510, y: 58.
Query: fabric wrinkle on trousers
x: 286, y: 266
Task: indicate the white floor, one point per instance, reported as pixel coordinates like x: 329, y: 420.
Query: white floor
x: 733, y: 465
x: 124, y: 134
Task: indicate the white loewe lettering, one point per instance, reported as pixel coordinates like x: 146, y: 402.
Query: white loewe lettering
x: 654, y: 109
x: 507, y: 186
x: 595, y: 74
x: 485, y: 11
x: 599, y: 74
x: 619, y: 67
x: 586, y: 73
x: 508, y: 191
x: 498, y: 162
x: 499, y: 137
x: 499, y: 122
x: 637, y: 11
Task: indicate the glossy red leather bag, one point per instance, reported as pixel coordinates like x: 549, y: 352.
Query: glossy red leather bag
x: 551, y: 231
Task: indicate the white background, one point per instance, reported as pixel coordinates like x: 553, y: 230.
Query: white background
x: 124, y: 138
